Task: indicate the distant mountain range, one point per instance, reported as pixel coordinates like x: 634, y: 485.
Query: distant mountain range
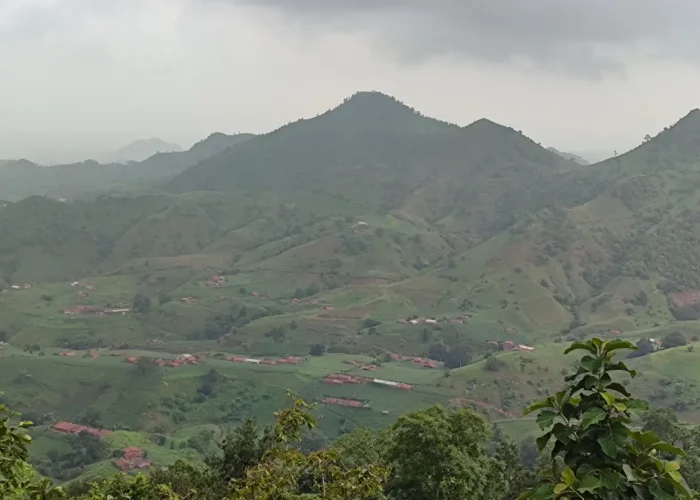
x: 140, y: 150
x: 22, y: 178
x: 570, y: 156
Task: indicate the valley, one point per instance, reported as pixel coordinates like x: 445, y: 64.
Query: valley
x: 372, y: 243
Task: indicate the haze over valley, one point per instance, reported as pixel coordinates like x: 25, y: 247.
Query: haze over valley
x: 408, y: 243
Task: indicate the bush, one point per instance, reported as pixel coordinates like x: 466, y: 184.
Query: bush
x: 317, y: 350
x: 493, y: 364
x: 673, y: 339
x: 684, y: 313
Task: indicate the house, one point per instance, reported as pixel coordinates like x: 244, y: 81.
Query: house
x: 508, y: 345
x: 510, y: 329
x: 430, y: 321
x: 15, y: 287
x: 521, y: 347
x: 292, y: 360
x: 395, y: 357
x: 133, y: 458
x: 615, y: 332
x: 256, y: 294
x: 132, y: 359
x: 353, y: 403
x: 395, y: 385
x: 68, y: 354
x: 188, y: 300
x: 413, y: 321
x: 328, y: 308
x: 268, y: 362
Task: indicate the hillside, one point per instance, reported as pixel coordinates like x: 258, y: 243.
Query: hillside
x: 364, y: 240
x: 140, y: 150
x: 22, y: 178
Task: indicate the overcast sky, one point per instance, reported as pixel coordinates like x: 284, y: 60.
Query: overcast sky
x: 82, y: 76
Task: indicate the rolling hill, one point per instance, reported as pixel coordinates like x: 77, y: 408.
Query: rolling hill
x: 336, y: 234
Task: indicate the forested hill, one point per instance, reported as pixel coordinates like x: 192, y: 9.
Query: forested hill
x: 20, y: 179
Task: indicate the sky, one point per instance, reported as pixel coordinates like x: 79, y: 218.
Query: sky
x: 82, y: 77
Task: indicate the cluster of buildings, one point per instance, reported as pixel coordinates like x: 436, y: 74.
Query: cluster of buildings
x: 216, y: 280
x: 290, y: 360
x: 20, y: 287
x: 353, y: 403
x: 183, y: 359
x: 342, y: 378
x: 132, y: 458
x: 509, y: 345
x: 459, y: 320
x: 75, y: 429
x: 96, y: 310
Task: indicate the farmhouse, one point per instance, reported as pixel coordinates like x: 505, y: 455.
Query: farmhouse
x: 133, y: 458
x: 395, y: 385
x: 353, y: 403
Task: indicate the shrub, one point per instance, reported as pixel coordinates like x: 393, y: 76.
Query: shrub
x: 673, y: 339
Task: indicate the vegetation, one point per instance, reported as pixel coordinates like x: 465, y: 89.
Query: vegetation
x: 370, y: 241
x: 428, y: 454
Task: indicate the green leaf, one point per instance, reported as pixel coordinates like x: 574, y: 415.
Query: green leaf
x: 543, y: 440
x: 586, y: 346
x: 568, y: 476
x: 607, y: 444
x: 647, y: 439
x: 608, y: 397
x: 621, y: 407
x: 658, y: 492
x: 610, y: 478
x: 588, y: 484
x: 614, y: 345
x: 560, y: 397
x: 669, y: 448
x: 616, y: 386
x: 560, y: 488
x: 592, y: 416
x: 545, y: 403
x: 629, y: 472
x: 637, y: 405
x: 545, y: 419
x: 575, y: 401
x: 587, y: 363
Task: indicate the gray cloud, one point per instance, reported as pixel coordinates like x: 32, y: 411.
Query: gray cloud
x: 577, y: 37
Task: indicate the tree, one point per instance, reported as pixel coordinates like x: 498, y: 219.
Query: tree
x: 517, y: 476
x: 293, y: 325
x: 589, y: 423
x: 317, y: 350
x: 493, y: 364
x: 141, y: 303
x: 17, y: 478
x: 436, y: 454
x: 458, y: 356
x: 146, y: 365
x: 644, y: 347
x: 673, y: 339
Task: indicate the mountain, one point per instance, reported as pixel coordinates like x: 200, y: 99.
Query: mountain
x: 20, y: 179
x: 334, y: 234
x: 570, y: 156
x: 377, y: 152
x: 140, y: 150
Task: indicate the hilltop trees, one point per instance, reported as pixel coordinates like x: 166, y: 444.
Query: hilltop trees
x: 602, y: 455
